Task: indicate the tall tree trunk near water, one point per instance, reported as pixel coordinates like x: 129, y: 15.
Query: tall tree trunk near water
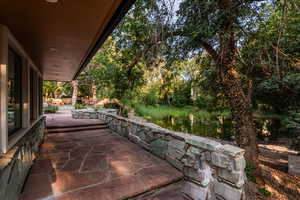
x: 75, y: 92
x: 230, y: 82
x: 238, y: 100
x: 242, y: 115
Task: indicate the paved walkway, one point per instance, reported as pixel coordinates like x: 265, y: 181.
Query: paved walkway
x: 95, y: 165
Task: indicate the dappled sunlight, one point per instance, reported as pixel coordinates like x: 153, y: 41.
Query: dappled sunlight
x: 281, y: 180
x: 47, y: 146
x: 276, y: 177
x: 60, y: 183
x: 121, y: 168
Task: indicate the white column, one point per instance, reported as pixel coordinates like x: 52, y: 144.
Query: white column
x: 3, y: 88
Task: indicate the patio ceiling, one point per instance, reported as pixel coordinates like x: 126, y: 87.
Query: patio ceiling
x: 62, y: 37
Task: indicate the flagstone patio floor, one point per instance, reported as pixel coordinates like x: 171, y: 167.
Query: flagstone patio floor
x: 96, y: 165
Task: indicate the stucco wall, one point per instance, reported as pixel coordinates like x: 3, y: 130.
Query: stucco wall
x: 211, y: 170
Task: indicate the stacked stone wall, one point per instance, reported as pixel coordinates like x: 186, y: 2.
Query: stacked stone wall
x: 15, y: 164
x: 211, y: 170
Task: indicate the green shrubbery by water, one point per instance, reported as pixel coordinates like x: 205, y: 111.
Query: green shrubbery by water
x: 161, y: 111
x: 80, y: 106
x: 189, y: 119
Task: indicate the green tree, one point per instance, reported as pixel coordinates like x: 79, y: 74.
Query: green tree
x: 216, y: 27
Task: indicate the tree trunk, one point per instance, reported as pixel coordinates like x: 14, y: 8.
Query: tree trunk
x: 193, y: 93
x: 94, y: 91
x: 239, y: 102
x: 242, y: 116
x: 75, y: 92
x: 230, y: 82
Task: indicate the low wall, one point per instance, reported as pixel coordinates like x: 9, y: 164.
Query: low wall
x: 90, y: 113
x: 15, y: 164
x: 211, y: 170
x: 294, y: 164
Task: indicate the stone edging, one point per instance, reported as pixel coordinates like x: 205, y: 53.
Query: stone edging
x: 211, y: 170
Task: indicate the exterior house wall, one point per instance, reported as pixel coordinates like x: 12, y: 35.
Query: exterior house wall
x: 211, y: 170
x: 7, y: 41
x: 3, y: 88
x: 18, y: 149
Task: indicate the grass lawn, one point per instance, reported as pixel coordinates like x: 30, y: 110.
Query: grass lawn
x: 161, y: 111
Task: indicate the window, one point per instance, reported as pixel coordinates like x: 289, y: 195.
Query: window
x: 33, y: 97
x: 40, y: 96
x: 14, y: 92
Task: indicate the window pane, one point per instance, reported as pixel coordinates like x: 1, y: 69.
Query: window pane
x: 40, y: 96
x: 14, y: 92
x: 33, y: 98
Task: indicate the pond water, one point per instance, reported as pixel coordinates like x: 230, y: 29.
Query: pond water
x: 217, y: 127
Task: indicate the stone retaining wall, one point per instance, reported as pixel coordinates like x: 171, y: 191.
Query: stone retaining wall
x: 91, y: 113
x: 294, y: 164
x: 15, y: 164
x: 211, y: 170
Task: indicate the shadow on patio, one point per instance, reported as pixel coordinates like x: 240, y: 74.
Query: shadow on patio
x: 84, y: 160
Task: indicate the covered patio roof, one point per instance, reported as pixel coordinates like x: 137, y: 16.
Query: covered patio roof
x: 62, y: 37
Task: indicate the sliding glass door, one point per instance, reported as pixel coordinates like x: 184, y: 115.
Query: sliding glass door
x: 14, y: 92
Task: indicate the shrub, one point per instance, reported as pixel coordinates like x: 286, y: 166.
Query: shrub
x: 150, y: 99
x: 96, y: 108
x: 203, y: 101
x: 79, y: 106
x: 265, y: 192
x: 277, y: 92
x: 112, y: 106
x: 291, y: 123
x: 182, y: 96
x: 50, y: 109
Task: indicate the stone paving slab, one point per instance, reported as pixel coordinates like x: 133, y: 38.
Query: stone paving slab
x: 57, y: 121
x: 169, y: 192
x: 168, y: 195
x: 95, y: 165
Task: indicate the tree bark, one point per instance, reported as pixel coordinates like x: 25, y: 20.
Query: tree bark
x: 94, y: 91
x: 242, y: 116
x: 75, y: 92
x: 239, y: 102
x: 226, y: 63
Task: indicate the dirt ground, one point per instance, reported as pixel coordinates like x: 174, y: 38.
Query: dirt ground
x: 274, y: 165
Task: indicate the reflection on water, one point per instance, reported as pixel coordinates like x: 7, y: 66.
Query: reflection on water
x: 217, y: 126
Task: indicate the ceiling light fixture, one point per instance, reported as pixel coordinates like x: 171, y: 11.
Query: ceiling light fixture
x: 52, y: 1
x: 52, y: 49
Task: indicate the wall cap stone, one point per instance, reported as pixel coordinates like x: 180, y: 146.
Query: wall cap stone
x: 7, y: 157
x: 231, y: 150
x: 203, y: 143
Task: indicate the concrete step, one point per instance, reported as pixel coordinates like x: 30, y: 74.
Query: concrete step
x: 76, y: 128
x: 73, y: 125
